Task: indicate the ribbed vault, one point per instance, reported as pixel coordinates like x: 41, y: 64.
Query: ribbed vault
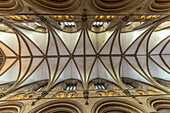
x: 84, y: 55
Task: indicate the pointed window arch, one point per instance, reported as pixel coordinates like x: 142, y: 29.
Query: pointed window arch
x: 71, y: 87
x: 99, y: 86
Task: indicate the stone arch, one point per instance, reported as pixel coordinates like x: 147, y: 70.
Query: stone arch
x: 32, y: 86
x: 116, y: 106
x: 61, y: 86
x: 63, y: 106
x: 160, y: 104
x: 108, y: 84
x: 11, y: 107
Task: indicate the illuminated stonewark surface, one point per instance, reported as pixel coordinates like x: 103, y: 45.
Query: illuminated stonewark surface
x: 84, y: 56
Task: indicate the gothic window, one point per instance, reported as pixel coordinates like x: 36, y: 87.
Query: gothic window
x: 71, y: 94
x: 60, y: 95
x: 71, y: 87
x: 101, y: 94
x: 65, y: 95
x: 17, y: 97
x: 99, y: 86
x: 22, y: 96
x: 97, y: 24
x: 112, y: 94
x: 41, y: 87
x: 69, y: 24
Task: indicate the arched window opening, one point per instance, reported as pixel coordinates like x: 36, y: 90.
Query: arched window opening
x: 71, y: 87
x: 66, y: 95
x: 130, y: 86
x: 69, y: 24
x: 40, y: 88
x: 71, y: 95
x: 99, y: 86
x: 150, y: 92
x: 17, y: 97
x: 101, y: 94
x: 28, y: 96
x: 142, y: 92
x: 97, y: 24
x: 22, y: 96
x: 60, y: 95
x: 112, y: 94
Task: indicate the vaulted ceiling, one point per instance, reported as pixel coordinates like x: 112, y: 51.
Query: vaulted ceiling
x: 29, y: 54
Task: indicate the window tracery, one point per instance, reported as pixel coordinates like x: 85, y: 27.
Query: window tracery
x: 99, y: 86
x: 71, y: 87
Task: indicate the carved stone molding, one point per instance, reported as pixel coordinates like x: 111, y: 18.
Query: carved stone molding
x: 59, y: 106
x: 10, y: 6
x: 122, y: 105
x: 54, y: 5
x: 157, y: 103
x: 115, y: 5
x: 158, y: 6
x: 12, y: 107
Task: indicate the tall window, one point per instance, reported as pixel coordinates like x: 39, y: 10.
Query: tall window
x: 99, y: 86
